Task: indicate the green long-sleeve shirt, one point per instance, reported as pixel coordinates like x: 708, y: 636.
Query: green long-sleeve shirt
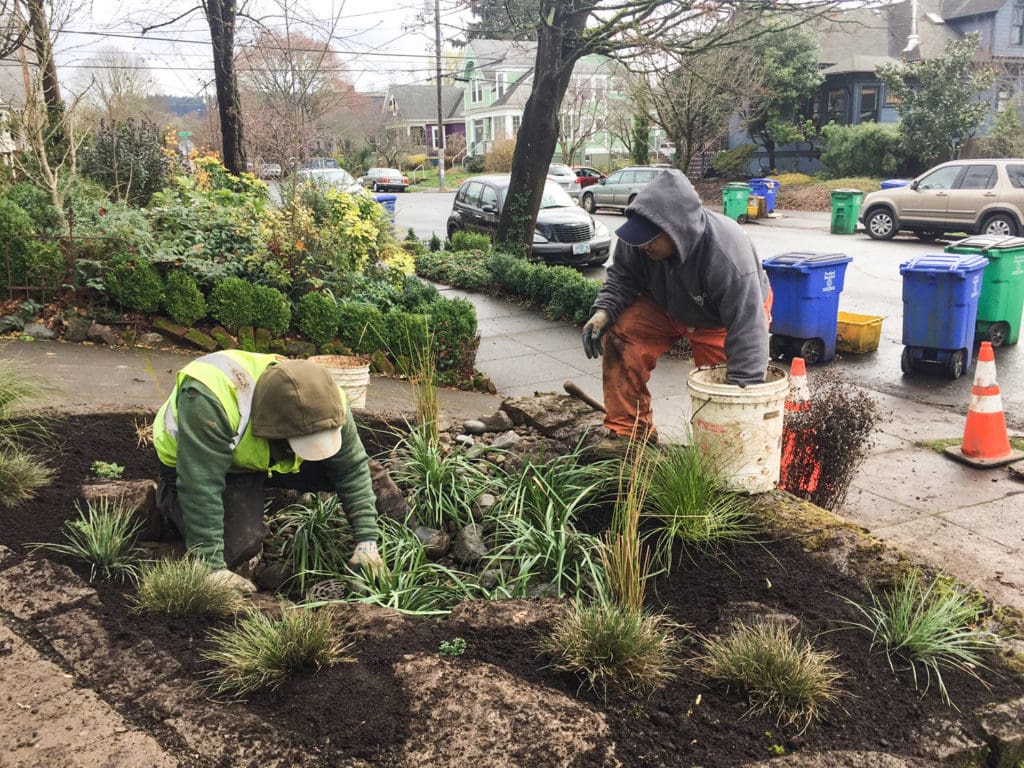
x: 204, y: 458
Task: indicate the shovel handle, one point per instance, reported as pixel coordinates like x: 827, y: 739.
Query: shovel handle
x: 574, y: 390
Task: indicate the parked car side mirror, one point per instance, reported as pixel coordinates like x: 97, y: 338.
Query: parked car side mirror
x: 913, y: 184
x: 602, y: 181
x: 489, y: 209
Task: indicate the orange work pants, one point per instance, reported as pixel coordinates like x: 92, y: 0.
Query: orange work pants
x: 632, y: 346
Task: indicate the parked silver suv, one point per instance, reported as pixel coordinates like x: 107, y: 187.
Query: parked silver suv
x: 619, y: 189
x: 973, y: 196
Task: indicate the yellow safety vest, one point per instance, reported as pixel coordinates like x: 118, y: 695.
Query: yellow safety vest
x: 231, y: 375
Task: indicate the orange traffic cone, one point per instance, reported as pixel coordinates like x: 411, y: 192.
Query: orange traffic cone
x: 985, y: 443
x: 800, y: 470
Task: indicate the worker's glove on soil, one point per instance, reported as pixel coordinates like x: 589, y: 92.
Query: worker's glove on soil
x: 367, y: 557
x: 227, y: 578
x: 593, y: 331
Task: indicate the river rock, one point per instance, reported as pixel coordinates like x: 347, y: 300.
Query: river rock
x: 436, y: 543
x: 38, y: 331
x: 1003, y: 726
x: 505, y: 441
x: 466, y: 441
x: 499, y: 421
x: 390, y: 501
x: 153, y: 340
x: 558, y: 416
x: 474, y: 427
x: 469, y: 545
x: 136, y: 497
x: 102, y: 334
x: 77, y: 329
x: 482, y: 506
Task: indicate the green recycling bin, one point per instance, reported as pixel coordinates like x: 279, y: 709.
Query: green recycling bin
x: 845, y: 207
x: 1001, y: 304
x: 735, y: 195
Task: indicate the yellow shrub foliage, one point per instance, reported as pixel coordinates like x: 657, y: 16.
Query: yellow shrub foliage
x: 499, y: 159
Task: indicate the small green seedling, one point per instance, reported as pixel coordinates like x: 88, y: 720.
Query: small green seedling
x: 452, y: 648
x: 107, y: 470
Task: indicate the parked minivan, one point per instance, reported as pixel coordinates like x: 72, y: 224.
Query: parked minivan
x: 619, y: 189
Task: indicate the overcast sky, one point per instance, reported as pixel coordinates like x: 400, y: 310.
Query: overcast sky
x: 380, y: 41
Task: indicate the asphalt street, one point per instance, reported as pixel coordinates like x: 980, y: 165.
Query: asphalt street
x: 873, y: 286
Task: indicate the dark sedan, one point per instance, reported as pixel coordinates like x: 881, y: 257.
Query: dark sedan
x: 564, y: 233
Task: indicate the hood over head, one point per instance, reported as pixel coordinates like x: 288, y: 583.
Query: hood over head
x: 671, y: 203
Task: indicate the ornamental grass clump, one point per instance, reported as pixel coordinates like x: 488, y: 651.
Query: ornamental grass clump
x: 313, y: 540
x: 613, y: 648
x: 692, y: 508
x: 21, y: 473
x: 103, y: 536
x: 932, y: 626
x: 783, y: 674
x: 260, y: 652
x: 184, y: 587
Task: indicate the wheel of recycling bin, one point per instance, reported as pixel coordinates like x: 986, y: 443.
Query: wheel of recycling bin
x: 907, y: 360
x: 955, y: 364
x: 811, y: 350
x: 777, y: 346
x: 998, y: 333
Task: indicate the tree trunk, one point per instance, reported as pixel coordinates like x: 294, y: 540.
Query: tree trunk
x: 55, y: 138
x: 220, y: 15
x: 769, y: 147
x: 558, y: 50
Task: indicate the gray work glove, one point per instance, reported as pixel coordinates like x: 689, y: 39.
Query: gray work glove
x: 368, y: 557
x: 593, y: 331
x: 231, y: 579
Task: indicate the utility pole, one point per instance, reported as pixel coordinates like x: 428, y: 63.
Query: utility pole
x: 440, y: 101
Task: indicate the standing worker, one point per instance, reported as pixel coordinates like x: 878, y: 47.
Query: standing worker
x: 679, y: 271
x: 238, y: 419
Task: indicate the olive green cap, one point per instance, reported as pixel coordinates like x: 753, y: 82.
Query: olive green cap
x: 297, y: 401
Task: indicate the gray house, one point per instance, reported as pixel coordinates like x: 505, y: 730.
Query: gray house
x: 858, y: 41
x: 411, y: 111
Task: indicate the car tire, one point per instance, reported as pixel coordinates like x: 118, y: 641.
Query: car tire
x: 999, y: 225
x: 881, y: 224
x: 452, y: 229
x: 629, y: 202
x: 375, y: 188
x: 589, y: 205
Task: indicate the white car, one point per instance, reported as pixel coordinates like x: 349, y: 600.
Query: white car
x: 330, y: 178
x: 565, y: 177
x: 385, y: 180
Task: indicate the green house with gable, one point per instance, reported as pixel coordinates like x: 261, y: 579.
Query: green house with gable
x: 497, y: 77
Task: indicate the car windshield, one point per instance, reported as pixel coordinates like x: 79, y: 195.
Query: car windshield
x: 556, y: 197
x: 332, y: 176
x: 561, y: 170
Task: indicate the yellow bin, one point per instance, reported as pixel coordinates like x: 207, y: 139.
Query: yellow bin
x: 858, y: 334
x: 756, y: 207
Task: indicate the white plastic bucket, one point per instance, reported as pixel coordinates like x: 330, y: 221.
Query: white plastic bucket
x: 740, y: 427
x: 352, y: 374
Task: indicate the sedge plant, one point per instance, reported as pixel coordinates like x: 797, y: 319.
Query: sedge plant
x: 783, y: 675
x: 930, y: 625
x: 691, y: 507
x: 184, y: 587
x: 439, y: 485
x: 410, y: 583
x: 259, y: 652
x: 313, y: 540
x: 21, y: 475
x: 21, y: 472
x: 103, y: 535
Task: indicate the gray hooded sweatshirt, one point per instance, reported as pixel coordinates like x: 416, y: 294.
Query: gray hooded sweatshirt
x: 713, y: 280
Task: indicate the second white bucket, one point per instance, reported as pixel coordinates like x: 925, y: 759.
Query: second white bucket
x: 740, y: 427
x: 352, y: 374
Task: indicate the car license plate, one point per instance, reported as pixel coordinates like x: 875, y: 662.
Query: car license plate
x: 578, y: 248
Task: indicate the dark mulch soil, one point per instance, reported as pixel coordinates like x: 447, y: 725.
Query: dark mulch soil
x: 359, y: 710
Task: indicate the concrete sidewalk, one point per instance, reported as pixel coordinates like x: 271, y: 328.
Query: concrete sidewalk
x: 969, y: 522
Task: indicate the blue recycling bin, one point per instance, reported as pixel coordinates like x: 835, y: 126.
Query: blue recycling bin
x: 940, y: 307
x: 805, y: 310
x: 894, y: 183
x: 768, y: 189
x: 389, y: 203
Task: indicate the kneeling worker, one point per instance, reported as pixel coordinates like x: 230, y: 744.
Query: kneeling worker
x: 238, y: 419
x: 679, y: 271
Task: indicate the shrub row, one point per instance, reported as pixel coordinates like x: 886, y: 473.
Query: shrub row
x: 561, y: 293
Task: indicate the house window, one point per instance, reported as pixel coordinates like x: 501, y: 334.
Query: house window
x: 500, y: 84
x: 478, y: 90
x: 868, y: 104
x: 891, y: 99
x: 837, y: 105
x: 478, y: 130
x: 434, y: 141
x: 517, y: 120
x: 393, y: 106
x: 1017, y: 23
x: 598, y: 86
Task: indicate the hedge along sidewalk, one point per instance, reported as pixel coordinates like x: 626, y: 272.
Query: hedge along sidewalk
x: 561, y: 293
